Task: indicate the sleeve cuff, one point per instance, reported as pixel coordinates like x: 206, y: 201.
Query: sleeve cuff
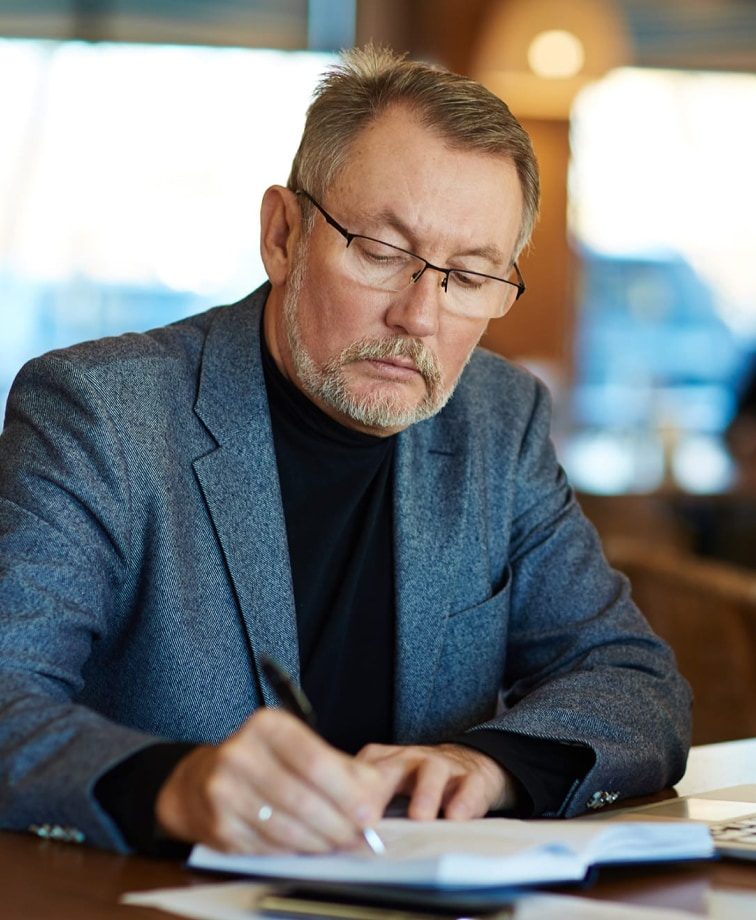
x: 128, y: 792
x: 545, y: 770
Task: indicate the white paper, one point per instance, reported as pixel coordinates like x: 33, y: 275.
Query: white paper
x: 567, y: 907
x: 237, y: 900
x: 730, y: 904
x: 220, y: 901
x: 474, y: 854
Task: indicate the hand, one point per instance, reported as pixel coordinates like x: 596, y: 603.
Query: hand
x: 317, y: 798
x: 460, y: 782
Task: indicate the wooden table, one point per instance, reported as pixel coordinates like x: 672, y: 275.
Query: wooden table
x: 44, y: 879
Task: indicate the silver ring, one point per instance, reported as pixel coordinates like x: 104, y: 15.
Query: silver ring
x: 264, y: 813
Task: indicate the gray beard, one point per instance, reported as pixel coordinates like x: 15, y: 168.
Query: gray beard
x: 328, y: 384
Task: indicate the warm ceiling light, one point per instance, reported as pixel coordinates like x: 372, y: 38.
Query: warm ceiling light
x: 556, y: 54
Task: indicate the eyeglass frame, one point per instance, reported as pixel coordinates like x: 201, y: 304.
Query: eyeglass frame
x: 416, y: 276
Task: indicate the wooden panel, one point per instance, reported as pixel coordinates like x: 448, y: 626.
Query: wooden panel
x: 540, y: 325
x: 707, y: 612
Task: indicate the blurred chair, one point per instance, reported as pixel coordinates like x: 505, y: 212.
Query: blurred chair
x: 638, y: 517
x: 706, y: 610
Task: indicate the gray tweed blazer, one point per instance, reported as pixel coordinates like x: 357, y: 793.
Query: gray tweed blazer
x: 144, y: 569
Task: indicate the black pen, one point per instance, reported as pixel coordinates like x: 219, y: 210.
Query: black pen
x: 293, y: 700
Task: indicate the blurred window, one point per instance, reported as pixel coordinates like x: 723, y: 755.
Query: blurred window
x: 662, y: 198
x: 130, y: 182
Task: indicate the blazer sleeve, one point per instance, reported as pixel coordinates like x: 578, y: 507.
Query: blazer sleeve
x: 582, y: 666
x: 64, y: 547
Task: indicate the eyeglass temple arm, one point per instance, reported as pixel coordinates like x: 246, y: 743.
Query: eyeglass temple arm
x: 520, y: 281
x: 327, y: 217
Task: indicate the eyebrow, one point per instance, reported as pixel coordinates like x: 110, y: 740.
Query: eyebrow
x: 492, y: 253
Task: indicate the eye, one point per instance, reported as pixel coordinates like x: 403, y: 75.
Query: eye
x: 378, y: 253
x: 468, y: 280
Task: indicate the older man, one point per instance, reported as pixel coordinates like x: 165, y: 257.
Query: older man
x: 327, y: 473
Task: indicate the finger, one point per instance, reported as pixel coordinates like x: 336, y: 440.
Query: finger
x: 248, y: 776
x: 467, y: 798
x: 303, y: 818
x: 249, y: 823
x: 397, y: 764
x: 397, y: 767
x: 233, y: 834
x: 225, y: 788
x: 377, y: 753
x: 215, y: 794
x: 398, y: 780
x: 400, y: 766
x: 279, y: 830
x: 356, y: 789
x: 431, y: 779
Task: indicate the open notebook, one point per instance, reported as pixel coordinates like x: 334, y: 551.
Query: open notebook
x: 476, y: 854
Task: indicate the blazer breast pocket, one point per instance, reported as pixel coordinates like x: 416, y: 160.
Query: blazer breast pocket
x: 471, y: 666
x: 483, y: 622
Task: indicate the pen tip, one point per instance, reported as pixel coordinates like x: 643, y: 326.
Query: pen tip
x: 373, y: 841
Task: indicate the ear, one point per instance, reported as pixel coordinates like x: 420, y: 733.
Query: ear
x: 280, y: 229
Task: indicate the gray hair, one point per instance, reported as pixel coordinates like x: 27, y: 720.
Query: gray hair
x: 369, y: 80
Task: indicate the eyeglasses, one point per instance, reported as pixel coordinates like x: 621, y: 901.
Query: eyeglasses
x: 390, y: 268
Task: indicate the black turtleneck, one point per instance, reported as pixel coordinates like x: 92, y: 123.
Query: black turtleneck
x: 336, y: 493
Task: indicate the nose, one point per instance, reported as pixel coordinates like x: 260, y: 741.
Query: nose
x: 415, y: 310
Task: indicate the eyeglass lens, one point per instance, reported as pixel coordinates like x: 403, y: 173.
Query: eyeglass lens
x: 385, y: 267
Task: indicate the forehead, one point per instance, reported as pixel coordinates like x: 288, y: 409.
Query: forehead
x: 448, y: 196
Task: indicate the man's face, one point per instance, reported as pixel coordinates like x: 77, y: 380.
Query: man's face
x: 379, y: 361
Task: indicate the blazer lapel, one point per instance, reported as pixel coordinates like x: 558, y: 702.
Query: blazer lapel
x: 239, y: 481
x: 430, y: 511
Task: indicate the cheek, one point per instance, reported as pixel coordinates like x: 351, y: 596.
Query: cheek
x: 331, y: 322
x: 328, y: 324
x: 454, y: 349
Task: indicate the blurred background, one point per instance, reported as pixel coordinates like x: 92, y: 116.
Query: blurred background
x: 138, y: 137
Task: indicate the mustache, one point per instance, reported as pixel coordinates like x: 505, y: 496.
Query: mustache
x: 369, y: 349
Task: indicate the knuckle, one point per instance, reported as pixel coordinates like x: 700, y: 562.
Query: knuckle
x: 372, y: 778
x: 373, y: 751
x: 262, y: 720
x: 232, y: 756
x: 273, y: 726
x: 221, y: 833
x: 295, y: 800
x: 217, y: 790
x: 319, y: 767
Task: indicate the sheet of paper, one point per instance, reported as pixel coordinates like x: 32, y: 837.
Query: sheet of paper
x: 564, y: 907
x: 731, y: 904
x: 488, y: 852
x: 219, y: 901
x: 236, y: 901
